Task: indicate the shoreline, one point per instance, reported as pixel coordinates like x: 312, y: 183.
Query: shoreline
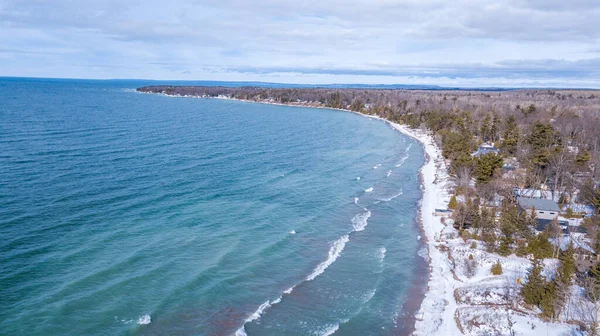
x: 421, y: 306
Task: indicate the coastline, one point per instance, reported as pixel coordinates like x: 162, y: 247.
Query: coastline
x: 422, y: 307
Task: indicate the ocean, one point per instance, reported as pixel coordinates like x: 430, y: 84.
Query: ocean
x: 124, y: 213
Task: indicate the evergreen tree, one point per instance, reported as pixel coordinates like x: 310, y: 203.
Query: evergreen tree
x: 452, y: 203
x: 486, y: 128
x: 533, y: 290
x: 567, y: 266
x: 511, y: 135
x: 549, y: 302
x: 494, y: 129
x: 485, y: 167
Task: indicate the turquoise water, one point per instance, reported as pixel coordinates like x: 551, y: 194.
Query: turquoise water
x: 132, y: 214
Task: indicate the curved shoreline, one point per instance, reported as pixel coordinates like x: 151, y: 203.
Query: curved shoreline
x: 421, y: 307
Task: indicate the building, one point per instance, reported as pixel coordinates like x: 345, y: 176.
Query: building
x: 484, y: 149
x: 544, y: 208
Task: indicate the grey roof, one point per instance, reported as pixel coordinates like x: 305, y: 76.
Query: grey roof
x: 538, y: 204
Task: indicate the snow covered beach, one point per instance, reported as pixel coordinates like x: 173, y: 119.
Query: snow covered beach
x: 461, y: 301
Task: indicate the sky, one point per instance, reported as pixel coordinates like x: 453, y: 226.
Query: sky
x: 465, y: 43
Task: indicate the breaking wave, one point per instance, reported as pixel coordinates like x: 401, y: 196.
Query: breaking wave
x: 360, y: 221
x: 391, y: 197
x: 369, y: 189
x: 334, y: 252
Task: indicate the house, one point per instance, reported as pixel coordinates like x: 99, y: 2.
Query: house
x: 544, y: 208
x: 531, y: 193
x: 484, y: 149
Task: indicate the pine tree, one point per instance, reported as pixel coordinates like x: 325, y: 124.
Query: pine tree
x: 511, y: 135
x: 452, y: 203
x: 548, y: 303
x: 567, y: 266
x: 485, y: 167
x: 497, y: 268
x: 533, y: 290
x: 485, y: 130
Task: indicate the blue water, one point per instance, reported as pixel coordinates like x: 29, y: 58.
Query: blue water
x: 134, y: 214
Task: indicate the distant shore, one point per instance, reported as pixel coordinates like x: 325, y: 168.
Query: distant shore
x: 419, y: 306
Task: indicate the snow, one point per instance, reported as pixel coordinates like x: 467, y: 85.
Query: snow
x: 459, y: 302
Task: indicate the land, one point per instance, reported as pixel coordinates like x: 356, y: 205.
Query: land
x: 500, y: 262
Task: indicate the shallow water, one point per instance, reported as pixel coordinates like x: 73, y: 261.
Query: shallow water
x: 128, y: 213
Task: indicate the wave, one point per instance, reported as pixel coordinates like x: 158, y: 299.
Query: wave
x: 377, y: 166
x: 289, y: 290
x: 369, y: 189
x: 146, y: 319
x: 392, y: 197
x: 330, y: 330
x: 334, y: 252
x: 369, y: 295
x: 358, y: 178
x: 381, y: 253
x: 359, y: 222
x: 293, y: 232
x: 256, y: 315
x: 406, y: 155
x: 355, y: 200
x: 388, y: 173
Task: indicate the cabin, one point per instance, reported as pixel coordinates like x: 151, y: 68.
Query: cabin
x: 544, y: 208
x: 531, y: 193
x: 484, y: 149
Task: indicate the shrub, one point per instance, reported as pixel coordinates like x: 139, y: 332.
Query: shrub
x: 497, y: 268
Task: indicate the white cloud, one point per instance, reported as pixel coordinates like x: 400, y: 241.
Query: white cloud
x: 192, y: 39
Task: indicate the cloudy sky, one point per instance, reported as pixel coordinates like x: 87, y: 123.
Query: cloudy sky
x: 445, y: 42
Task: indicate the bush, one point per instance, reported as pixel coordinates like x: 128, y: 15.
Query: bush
x: 497, y: 268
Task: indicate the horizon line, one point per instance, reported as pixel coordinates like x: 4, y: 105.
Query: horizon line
x: 435, y: 87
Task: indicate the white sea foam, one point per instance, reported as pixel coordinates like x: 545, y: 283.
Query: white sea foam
x: 423, y: 253
x: 391, y: 197
x: 358, y: 178
x: 330, y: 330
x: 377, y: 166
x: 293, y: 232
x: 388, y: 173
x: 369, y: 295
x: 381, y: 253
x: 369, y: 189
x: 355, y: 200
x: 146, y: 319
x: 255, y: 316
x: 406, y: 155
x: 289, y: 290
x: 334, y: 252
x: 360, y: 221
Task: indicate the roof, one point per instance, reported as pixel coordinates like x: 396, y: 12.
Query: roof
x: 538, y: 204
x: 542, y: 223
